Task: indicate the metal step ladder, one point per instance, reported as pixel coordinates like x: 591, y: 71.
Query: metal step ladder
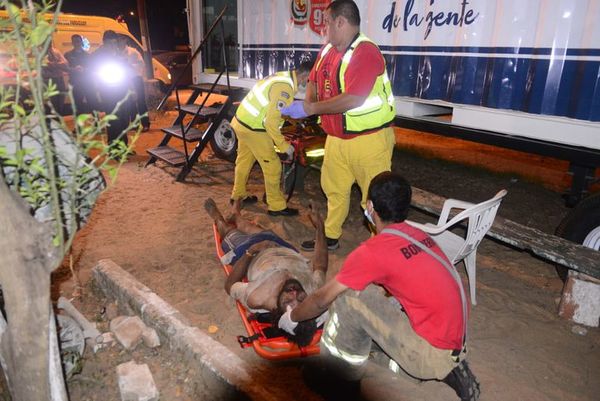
x: 184, y: 128
x: 196, y: 122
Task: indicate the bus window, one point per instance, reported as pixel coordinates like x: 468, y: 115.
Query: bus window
x: 212, y: 57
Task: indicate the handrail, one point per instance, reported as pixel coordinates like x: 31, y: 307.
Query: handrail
x: 185, y: 130
x: 189, y: 63
x: 225, y: 61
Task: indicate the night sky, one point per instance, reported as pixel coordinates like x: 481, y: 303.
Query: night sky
x: 167, y: 21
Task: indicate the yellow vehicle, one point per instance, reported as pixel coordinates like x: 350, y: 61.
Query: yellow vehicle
x: 91, y: 28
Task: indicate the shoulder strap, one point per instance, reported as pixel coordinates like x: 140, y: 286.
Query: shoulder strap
x: 444, y: 263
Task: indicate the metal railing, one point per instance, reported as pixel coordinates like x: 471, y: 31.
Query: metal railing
x: 174, y: 85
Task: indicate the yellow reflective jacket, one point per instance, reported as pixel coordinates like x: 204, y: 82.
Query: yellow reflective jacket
x: 260, y: 109
x: 379, y: 109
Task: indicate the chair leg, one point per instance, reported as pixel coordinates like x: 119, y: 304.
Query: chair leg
x: 470, y: 265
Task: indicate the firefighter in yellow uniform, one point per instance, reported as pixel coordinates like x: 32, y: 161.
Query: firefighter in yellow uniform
x: 351, y: 91
x: 257, y: 125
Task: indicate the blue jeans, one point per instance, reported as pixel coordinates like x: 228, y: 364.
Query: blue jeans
x: 237, y: 242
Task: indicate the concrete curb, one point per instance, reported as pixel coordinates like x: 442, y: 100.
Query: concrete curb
x: 221, y: 373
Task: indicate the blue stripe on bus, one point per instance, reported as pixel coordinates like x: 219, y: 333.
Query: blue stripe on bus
x: 538, y: 51
x: 570, y: 88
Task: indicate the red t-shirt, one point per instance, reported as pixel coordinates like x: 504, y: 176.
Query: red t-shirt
x: 365, y: 66
x: 428, y: 293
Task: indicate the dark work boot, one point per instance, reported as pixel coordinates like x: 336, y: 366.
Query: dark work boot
x: 463, y: 381
x: 288, y: 211
x: 332, y: 244
x: 248, y: 200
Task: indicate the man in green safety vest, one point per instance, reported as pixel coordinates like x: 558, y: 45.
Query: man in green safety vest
x: 351, y: 91
x: 257, y: 125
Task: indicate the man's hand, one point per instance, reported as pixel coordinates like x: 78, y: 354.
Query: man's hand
x: 286, y: 323
x: 295, y: 110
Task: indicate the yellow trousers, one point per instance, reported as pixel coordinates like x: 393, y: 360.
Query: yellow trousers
x: 348, y: 161
x: 257, y: 146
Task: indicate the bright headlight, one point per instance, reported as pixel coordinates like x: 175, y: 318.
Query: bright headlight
x: 111, y: 74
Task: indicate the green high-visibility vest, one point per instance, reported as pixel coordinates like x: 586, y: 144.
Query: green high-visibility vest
x: 251, y: 112
x: 379, y: 109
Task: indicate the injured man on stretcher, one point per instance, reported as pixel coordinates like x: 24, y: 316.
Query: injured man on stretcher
x: 277, y: 276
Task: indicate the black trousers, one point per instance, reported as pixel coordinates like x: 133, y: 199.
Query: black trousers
x: 138, y: 103
x: 110, y: 98
x: 84, y: 95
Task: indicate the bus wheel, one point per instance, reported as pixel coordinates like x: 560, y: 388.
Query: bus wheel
x: 224, y: 142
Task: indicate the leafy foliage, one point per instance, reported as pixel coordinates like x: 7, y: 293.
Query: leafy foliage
x: 53, y: 162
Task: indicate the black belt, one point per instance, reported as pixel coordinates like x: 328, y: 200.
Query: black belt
x: 249, y: 127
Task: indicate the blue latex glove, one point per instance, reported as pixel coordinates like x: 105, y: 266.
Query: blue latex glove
x: 295, y: 110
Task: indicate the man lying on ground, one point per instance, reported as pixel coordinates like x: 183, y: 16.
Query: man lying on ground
x: 277, y: 275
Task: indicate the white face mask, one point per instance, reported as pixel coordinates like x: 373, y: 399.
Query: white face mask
x: 369, y: 216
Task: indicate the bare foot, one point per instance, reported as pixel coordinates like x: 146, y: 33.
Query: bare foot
x: 211, y: 208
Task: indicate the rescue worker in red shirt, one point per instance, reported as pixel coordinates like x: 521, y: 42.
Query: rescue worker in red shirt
x: 399, y: 290
x: 350, y: 89
x: 257, y: 124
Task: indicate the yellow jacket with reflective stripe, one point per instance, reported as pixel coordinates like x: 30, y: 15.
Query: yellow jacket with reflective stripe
x: 260, y: 109
x: 379, y: 109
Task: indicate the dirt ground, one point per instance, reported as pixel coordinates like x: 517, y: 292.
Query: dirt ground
x: 156, y: 229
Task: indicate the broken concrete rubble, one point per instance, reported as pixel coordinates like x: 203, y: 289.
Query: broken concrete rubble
x: 89, y: 329
x: 128, y: 330
x: 150, y: 338
x: 131, y: 330
x: 136, y: 382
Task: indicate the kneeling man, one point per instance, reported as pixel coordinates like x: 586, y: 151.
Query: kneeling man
x: 399, y: 290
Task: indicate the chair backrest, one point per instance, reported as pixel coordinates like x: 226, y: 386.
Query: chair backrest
x: 481, y: 217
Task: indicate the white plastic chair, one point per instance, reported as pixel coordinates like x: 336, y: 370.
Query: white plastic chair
x: 481, y: 216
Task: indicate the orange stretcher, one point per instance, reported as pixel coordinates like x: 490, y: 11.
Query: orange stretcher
x: 266, y: 339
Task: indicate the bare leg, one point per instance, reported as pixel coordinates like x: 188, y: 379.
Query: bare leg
x: 247, y: 227
x: 242, y: 224
x: 235, y: 212
x: 223, y: 227
x: 321, y: 256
